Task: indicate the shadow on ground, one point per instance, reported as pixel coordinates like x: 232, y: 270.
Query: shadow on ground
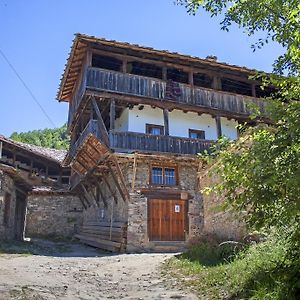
x: 54, y: 248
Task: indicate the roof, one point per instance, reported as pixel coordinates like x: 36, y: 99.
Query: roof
x: 82, y: 41
x: 48, y: 153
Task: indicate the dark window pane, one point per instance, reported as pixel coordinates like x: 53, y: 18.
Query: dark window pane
x: 157, y: 176
x: 170, y: 178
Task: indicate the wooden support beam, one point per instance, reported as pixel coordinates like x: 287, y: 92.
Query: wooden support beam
x: 124, y: 65
x: 101, y: 124
x: 166, y: 121
x: 191, y: 78
x: 101, y: 195
x: 88, y: 196
x: 216, y: 83
x: 112, y: 114
x: 120, y: 174
x: 253, y: 89
x: 82, y: 201
x: 113, y: 194
x: 116, y: 182
x: 164, y: 73
x: 134, y: 171
x: 218, y: 125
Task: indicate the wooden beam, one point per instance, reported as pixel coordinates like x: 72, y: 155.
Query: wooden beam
x: 82, y: 201
x: 87, y: 195
x: 101, y: 194
x: 253, y: 89
x: 113, y: 194
x: 101, y: 124
x: 112, y: 114
x: 164, y: 73
x: 116, y: 181
x: 219, y: 127
x: 134, y: 171
x: 166, y: 121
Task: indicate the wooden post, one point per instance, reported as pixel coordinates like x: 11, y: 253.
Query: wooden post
x: 164, y: 73
x: 124, y: 65
x: 217, y: 84
x: 101, y: 124
x: 218, y: 125
x: 253, y: 90
x: 113, y: 194
x: 191, y: 78
x: 166, y: 121
x: 134, y: 172
x: 112, y: 114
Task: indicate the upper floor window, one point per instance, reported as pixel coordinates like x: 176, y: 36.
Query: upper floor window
x: 164, y: 175
x: 154, y: 129
x: 196, y: 134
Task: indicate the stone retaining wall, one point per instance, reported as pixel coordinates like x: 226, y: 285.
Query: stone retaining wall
x: 54, y: 214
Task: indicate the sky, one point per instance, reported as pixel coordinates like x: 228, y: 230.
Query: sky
x: 36, y: 36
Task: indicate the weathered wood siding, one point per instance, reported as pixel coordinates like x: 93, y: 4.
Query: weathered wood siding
x: 128, y: 84
x: 160, y: 143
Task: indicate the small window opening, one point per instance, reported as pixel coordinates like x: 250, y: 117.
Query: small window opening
x: 197, y: 134
x: 202, y: 80
x: 177, y: 75
x: 266, y: 92
x: 237, y: 87
x: 154, y: 129
x: 106, y: 62
x: 163, y: 176
x: 144, y: 69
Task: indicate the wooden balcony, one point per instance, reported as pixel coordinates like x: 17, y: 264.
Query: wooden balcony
x: 151, y: 88
x: 132, y: 141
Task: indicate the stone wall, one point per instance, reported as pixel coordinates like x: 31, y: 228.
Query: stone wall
x: 221, y: 224
x: 137, y: 237
x: 7, y: 189
x: 53, y: 214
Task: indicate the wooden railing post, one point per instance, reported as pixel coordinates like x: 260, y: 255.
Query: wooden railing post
x: 219, y: 126
x: 112, y: 114
x: 166, y: 121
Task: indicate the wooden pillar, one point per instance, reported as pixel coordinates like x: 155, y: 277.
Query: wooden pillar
x: 112, y: 114
x: 166, y: 121
x: 253, y: 90
x: 164, y: 73
x: 216, y: 83
x: 218, y: 125
x: 191, y: 78
x: 124, y: 65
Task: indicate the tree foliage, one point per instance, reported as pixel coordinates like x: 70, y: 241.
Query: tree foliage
x: 261, y: 172
x: 50, y: 138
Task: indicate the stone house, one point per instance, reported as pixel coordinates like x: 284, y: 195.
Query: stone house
x: 130, y: 180
x: 137, y: 119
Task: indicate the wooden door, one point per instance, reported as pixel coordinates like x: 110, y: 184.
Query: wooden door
x: 167, y: 220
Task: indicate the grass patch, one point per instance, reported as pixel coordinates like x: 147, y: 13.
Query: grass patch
x: 215, y: 273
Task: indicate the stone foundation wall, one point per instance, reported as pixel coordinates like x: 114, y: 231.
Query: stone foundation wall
x: 219, y: 223
x: 56, y: 214
x: 137, y: 237
x: 7, y: 189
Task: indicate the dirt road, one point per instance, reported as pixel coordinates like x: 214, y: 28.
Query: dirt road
x: 80, y: 272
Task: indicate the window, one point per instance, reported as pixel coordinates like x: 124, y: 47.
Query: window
x: 164, y: 175
x: 197, y: 134
x: 154, y: 129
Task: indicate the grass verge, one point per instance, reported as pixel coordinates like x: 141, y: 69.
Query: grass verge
x: 253, y: 273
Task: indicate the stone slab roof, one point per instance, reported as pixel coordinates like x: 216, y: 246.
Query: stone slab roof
x: 48, y: 153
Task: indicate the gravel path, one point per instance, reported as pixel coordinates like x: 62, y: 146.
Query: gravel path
x: 85, y: 273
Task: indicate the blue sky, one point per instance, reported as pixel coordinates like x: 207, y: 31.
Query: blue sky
x: 36, y: 37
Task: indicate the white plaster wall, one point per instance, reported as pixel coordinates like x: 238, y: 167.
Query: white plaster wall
x: 139, y: 118
x: 135, y: 120
x: 229, y: 128
x: 180, y: 123
x: 121, y: 124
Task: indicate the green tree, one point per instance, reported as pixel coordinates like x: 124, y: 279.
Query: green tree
x: 261, y: 172
x: 50, y: 138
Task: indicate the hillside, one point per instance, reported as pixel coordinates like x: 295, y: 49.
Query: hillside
x: 56, y: 138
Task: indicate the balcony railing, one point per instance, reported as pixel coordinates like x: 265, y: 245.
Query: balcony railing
x: 130, y: 141
x: 141, y: 86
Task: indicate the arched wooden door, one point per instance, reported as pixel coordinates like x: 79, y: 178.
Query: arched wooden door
x: 167, y: 219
